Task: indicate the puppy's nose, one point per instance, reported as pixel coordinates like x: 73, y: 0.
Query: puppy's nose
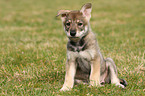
x: 73, y: 32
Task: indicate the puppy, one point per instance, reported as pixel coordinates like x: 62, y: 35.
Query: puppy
x: 85, y: 62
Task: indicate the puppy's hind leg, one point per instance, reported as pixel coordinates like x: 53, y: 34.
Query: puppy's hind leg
x: 112, y: 75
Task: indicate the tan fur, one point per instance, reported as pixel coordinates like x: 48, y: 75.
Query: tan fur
x: 85, y: 62
x: 95, y: 74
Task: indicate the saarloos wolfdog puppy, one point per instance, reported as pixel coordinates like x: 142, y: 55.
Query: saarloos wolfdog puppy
x: 85, y: 62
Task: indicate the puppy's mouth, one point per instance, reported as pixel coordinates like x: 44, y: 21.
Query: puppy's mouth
x: 74, y: 38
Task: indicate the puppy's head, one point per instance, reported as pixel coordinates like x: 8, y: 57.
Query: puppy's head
x: 76, y: 23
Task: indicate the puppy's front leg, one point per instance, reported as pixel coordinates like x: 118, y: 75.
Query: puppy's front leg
x: 91, y: 55
x: 70, y: 72
x: 95, y: 72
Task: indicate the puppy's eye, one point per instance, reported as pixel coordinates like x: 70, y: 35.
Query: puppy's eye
x: 80, y: 24
x: 68, y: 24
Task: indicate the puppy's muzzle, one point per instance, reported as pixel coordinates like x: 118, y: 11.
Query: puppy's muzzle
x: 73, y: 33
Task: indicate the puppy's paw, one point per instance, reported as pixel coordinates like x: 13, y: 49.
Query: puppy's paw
x: 64, y: 88
x: 94, y: 83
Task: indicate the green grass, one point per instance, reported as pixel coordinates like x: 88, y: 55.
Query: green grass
x: 33, y: 46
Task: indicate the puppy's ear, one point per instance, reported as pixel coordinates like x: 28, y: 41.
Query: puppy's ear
x: 63, y: 14
x: 86, y: 10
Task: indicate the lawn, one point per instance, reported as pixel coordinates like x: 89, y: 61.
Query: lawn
x: 33, y: 46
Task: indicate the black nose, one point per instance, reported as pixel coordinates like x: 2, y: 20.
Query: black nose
x: 73, y: 32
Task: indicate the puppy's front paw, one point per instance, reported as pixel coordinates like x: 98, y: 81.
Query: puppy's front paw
x: 94, y: 83
x: 64, y: 88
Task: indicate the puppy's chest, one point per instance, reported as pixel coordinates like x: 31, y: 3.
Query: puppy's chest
x: 76, y: 47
